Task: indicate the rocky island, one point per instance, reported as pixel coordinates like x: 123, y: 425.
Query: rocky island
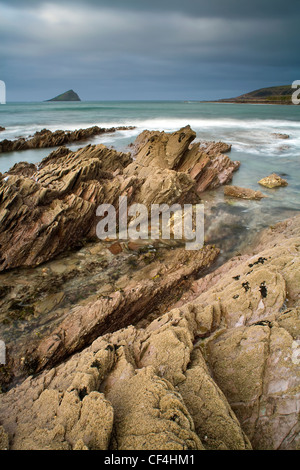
x: 142, y: 344
x: 67, y: 96
x: 271, y: 95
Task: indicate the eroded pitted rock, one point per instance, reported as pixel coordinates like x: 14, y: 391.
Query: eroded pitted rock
x: 46, y: 138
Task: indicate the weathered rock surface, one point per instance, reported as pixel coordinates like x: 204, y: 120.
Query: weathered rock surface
x: 54, y: 208
x: 281, y: 136
x: 44, y: 212
x: 255, y: 353
x: 208, y: 373
x: 243, y: 193
x: 205, y: 164
x: 2, y: 128
x: 140, y: 375
x: 46, y: 138
x: 273, y: 181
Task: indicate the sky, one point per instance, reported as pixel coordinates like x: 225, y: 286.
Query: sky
x: 147, y: 50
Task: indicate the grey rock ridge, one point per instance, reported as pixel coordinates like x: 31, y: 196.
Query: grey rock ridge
x: 220, y: 371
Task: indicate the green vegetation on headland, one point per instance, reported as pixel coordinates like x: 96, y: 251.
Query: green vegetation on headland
x: 67, y: 96
x: 272, y: 95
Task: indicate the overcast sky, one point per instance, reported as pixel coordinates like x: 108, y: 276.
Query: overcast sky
x: 137, y: 49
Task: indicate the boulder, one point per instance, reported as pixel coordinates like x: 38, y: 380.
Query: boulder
x: 273, y: 181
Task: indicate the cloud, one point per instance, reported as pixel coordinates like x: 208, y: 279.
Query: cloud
x: 157, y: 46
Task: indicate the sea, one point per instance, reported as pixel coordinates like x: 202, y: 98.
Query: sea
x: 250, y: 128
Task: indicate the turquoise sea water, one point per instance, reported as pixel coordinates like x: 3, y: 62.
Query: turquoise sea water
x: 248, y: 128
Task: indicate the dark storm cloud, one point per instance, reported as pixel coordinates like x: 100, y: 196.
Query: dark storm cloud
x: 147, y: 50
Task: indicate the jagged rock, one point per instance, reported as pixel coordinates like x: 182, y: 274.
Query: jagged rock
x: 22, y: 169
x: 2, y: 128
x: 66, y: 96
x: 281, y: 136
x: 273, y: 181
x: 46, y: 138
x: 216, y: 147
x: 254, y: 354
x: 49, y: 212
x: 243, y: 193
x: 156, y: 380
x: 206, y: 166
x: 4, y: 441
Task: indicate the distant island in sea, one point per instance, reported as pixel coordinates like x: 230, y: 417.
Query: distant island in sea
x: 67, y: 96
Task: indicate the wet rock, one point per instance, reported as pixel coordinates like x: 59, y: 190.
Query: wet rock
x: 273, y: 181
x: 51, y: 210
x: 243, y: 193
x: 46, y: 138
x: 47, y: 211
x: 2, y: 128
x: 4, y: 440
x: 22, y: 169
x: 214, y: 373
x: 205, y: 165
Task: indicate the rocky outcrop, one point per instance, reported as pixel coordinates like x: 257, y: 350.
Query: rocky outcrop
x: 212, y: 373
x: 47, y: 211
x: 54, y: 208
x: 243, y: 193
x: 48, y: 313
x: 67, y: 96
x: 273, y: 181
x: 2, y: 129
x: 47, y: 139
x: 205, y: 164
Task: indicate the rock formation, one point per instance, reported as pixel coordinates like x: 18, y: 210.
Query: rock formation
x: 281, y: 136
x: 47, y: 139
x: 218, y: 372
x: 127, y: 348
x: 45, y: 212
x: 67, y: 96
x: 243, y: 193
x: 273, y: 181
